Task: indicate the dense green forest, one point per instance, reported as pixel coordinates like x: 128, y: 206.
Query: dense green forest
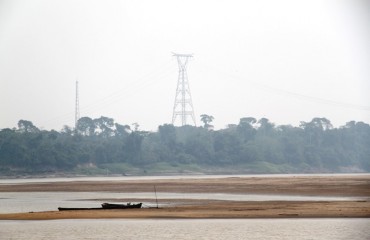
x: 101, y: 146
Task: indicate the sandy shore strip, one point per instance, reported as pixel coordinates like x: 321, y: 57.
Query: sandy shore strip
x: 343, y: 185
x: 336, y: 185
x: 227, y: 209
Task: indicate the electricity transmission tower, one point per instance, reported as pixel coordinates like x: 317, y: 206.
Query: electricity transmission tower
x: 183, y: 106
x: 77, y: 107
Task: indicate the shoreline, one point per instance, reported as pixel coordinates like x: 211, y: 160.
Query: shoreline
x: 349, y: 186
x: 343, y: 185
x: 180, y: 174
x: 225, y: 210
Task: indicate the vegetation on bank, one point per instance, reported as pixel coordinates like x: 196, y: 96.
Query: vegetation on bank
x: 101, y: 146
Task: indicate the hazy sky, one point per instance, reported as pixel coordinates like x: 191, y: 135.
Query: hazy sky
x: 288, y: 61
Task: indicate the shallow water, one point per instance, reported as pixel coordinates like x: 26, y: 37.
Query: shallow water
x: 12, y: 202
x: 269, y: 229
x: 111, y: 229
x: 134, y: 178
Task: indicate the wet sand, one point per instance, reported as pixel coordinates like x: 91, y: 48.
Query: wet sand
x: 355, y: 186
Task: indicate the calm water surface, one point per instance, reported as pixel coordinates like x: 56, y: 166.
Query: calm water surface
x: 12, y: 202
x: 274, y: 229
x: 134, y: 178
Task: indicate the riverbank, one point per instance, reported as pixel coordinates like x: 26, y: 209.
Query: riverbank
x: 224, y: 209
x: 328, y: 185
x: 350, y: 186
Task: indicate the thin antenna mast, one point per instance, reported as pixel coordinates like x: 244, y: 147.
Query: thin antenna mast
x: 77, y: 106
x: 183, y: 105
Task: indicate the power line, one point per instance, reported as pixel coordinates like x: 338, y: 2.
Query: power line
x: 126, y: 92
x: 287, y: 93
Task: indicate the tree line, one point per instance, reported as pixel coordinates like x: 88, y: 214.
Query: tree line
x: 251, y: 146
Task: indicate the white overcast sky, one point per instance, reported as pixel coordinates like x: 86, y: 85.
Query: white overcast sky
x: 288, y: 61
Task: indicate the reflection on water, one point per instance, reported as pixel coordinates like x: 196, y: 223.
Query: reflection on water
x: 12, y: 202
x: 270, y: 229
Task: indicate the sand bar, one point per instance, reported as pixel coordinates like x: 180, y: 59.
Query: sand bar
x: 356, y: 186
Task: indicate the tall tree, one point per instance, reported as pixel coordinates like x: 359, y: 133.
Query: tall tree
x: 246, y: 129
x: 104, y: 125
x: 207, y: 119
x: 266, y: 127
x: 86, y: 126
x: 122, y: 130
x: 27, y: 126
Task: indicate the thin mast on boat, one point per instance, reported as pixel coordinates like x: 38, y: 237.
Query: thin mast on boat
x: 155, y: 192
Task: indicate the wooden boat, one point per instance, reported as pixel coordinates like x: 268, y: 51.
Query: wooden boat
x: 120, y: 206
x: 105, y: 206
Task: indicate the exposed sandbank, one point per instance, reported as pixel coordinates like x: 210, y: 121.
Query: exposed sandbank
x: 356, y: 186
x: 273, y: 209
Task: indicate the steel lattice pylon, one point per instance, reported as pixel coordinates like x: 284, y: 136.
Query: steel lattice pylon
x: 183, y: 105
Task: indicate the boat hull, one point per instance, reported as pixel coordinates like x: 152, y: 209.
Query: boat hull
x: 77, y: 209
x: 120, y: 206
x: 105, y: 206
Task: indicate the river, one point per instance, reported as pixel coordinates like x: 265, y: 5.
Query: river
x: 268, y: 229
x: 274, y: 229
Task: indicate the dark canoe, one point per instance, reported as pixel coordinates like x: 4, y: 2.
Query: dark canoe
x: 77, y: 209
x: 120, y: 206
x: 105, y: 206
